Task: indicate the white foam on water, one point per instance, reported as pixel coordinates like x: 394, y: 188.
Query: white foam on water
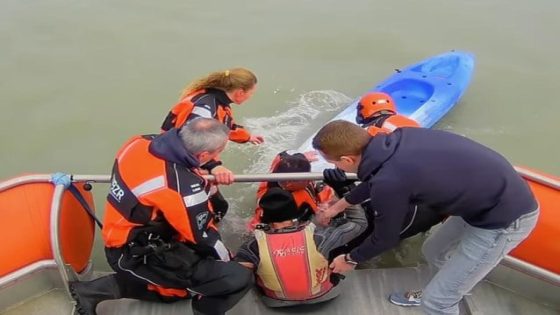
x: 282, y: 131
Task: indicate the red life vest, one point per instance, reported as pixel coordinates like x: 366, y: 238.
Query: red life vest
x: 291, y: 267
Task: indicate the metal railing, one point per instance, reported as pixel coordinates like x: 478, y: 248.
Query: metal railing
x: 67, y: 273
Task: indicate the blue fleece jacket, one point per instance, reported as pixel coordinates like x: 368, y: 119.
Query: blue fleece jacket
x: 445, y: 171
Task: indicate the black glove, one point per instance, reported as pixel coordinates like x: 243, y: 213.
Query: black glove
x: 335, y: 278
x: 336, y: 178
x: 220, y: 206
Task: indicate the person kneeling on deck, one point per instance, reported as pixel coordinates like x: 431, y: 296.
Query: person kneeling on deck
x: 289, y: 255
x: 378, y: 114
x: 159, y: 230
x: 491, y: 208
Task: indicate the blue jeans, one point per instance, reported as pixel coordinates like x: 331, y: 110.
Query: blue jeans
x: 463, y: 255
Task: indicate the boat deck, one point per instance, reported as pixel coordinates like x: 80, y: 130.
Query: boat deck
x: 363, y: 292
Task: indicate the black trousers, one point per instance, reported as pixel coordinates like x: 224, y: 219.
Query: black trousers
x: 420, y: 219
x: 217, y: 285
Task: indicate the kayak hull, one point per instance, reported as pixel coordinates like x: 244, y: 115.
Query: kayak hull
x: 424, y: 91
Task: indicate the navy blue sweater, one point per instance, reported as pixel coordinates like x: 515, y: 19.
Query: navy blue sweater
x: 169, y: 146
x: 445, y: 171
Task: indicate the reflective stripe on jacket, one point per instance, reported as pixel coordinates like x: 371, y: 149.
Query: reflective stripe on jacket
x: 145, y: 187
x: 209, y: 104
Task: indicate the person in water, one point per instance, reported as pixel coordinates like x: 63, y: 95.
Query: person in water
x: 378, y: 114
x: 304, y: 191
x: 211, y: 96
x: 491, y: 208
x: 289, y: 254
x: 159, y: 231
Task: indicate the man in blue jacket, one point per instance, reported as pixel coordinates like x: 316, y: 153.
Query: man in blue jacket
x: 491, y: 207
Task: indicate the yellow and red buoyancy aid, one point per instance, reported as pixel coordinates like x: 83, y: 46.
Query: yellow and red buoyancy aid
x: 391, y: 123
x: 182, y: 110
x: 291, y: 267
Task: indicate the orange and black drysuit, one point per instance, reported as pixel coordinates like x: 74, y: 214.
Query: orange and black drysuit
x: 209, y: 103
x: 159, y: 232
x: 377, y: 112
x: 387, y: 123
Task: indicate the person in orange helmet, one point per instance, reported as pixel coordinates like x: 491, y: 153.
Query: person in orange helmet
x: 378, y: 114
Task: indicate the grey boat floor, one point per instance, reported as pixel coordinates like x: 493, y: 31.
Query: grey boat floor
x: 363, y: 292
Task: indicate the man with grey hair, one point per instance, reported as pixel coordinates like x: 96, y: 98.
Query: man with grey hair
x: 159, y: 231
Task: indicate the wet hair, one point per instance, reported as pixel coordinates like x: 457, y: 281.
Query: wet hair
x: 340, y: 137
x: 226, y: 80
x: 288, y: 163
x: 279, y: 205
x: 203, y: 134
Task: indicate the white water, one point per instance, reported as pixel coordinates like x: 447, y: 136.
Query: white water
x: 284, y: 130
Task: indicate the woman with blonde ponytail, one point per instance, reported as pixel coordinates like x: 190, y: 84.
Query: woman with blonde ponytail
x: 211, y: 96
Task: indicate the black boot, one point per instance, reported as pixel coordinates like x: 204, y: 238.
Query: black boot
x: 90, y: 293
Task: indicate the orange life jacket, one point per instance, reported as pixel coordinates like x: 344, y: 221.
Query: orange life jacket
x: 312, y: 195
x: 140, y: 192
x: 182, y: 110
x: 389, y: 124
x: 291, y: 267
x: 145, y: 187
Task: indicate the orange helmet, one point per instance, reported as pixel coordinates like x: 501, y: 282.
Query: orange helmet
x: 374, y: 102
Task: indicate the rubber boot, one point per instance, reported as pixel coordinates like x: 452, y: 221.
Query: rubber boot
x: 90, y: 293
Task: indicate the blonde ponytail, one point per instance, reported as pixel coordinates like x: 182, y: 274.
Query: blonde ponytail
x: 227, y: 81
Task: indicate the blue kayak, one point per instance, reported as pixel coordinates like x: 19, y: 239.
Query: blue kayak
x: 424, y: 91
x: 427, y: 90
